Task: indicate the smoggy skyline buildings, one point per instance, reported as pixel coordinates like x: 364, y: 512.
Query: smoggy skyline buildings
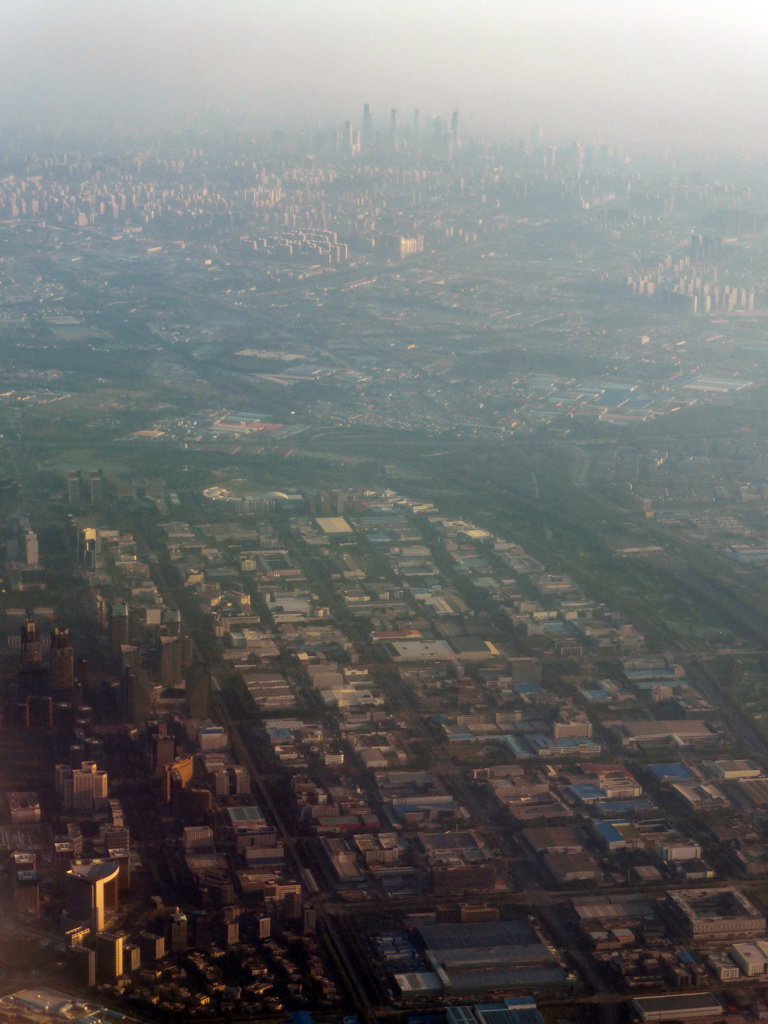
x: 689, y: 71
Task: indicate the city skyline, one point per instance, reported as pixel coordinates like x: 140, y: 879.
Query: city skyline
x: 690, y: 72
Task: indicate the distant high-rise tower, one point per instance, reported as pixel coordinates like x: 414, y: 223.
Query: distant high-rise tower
x: 33, y: 676
x: 367, y: 137
x: 95, y: 485
x: 170, y: 662
x: 31, y: 551
x: 30, y: 645
x: 176, y: 932
x: 393, y: 124
x: 74, y: 482
x: 62, y: 660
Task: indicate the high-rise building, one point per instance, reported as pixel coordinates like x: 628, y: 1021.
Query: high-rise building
x: 131, y: 657
x: 176, y: 932
x: 201, y: 929
x: 221, y: 782
x: 131, y: 958
x: 82, y: 789
x: 109, y: 956
x: 74, y: 482
x: 171, y: 622
x: 31, y: 654
x: 25, y: 883
x: 115, y: 835
x: 367, y: 135
x: 241, y: 780
x: 95, y: 487
x: 30, y: 548
x: 170, y: 662
x: 33, y: 677
x: 81, y: 962
x: 162, y: 750
x: 121, y: 854
x: 62, y: 661
x: 91, y: 892
x: 152, y: 946
x: 63, y: 856
x: 88, y: 544
x: 177, y: 776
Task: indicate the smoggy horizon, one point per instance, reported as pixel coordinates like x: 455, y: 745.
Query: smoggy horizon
x: 690, y: 73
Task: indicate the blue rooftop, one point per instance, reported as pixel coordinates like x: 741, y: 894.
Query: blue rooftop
x: 586, y: 791
x: 605, y: 830
x: 511, y: 1011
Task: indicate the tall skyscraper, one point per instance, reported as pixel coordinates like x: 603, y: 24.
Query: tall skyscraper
x: 170, y: 662
x: 95, y: 487
x: 74, y: 486
x: 176, y: 932
x: 367, y: 135
x: 33, y: 676
x: 31, y: 652
x: 62, y: 661
x: 30, y: 548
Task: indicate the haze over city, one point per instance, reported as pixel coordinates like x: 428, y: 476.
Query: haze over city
x: 690, y: 72
x: 383, y: 512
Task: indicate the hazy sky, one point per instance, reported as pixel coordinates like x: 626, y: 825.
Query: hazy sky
x: 579, y: 67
